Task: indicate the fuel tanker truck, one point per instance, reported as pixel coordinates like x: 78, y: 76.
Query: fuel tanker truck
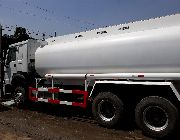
x: 126, y: 69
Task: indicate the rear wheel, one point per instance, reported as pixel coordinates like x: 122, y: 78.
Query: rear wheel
x: 107, y: 109
x: 156, y: 116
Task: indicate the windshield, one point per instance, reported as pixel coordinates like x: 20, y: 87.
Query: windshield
x: 11, y: 56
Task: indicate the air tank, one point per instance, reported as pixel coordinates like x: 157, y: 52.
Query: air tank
x: 150, y: 46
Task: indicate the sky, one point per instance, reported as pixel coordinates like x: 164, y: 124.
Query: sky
x: 70, y: 16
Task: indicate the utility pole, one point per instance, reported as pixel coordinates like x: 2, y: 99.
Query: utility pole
x: 1, y: 63
x: 1, y: 58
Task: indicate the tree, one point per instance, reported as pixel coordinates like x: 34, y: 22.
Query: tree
x: 20, y: 34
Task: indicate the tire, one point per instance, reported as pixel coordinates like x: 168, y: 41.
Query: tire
x: 156, y: 116
x: 19, y: 100
x: 107, y: 109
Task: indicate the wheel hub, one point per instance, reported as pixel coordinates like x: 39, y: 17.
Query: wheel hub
x: 106, y: 110
x: 155, y: 118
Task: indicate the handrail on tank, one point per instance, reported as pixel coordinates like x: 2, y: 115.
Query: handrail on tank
x: 137, y: 76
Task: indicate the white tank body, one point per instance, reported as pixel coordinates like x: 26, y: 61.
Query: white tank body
x: 151, y: 46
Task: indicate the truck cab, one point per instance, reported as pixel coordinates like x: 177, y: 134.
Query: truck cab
x: 20, y: 62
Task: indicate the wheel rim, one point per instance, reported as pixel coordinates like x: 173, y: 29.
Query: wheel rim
x: 106, y: 110
x: 18, y: 96
x: 155, y: 118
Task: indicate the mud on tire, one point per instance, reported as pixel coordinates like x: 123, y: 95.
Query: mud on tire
x: 107, y: 109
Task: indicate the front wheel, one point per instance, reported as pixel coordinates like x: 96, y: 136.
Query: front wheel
x: 107, y: 109
x: 156, y: 116
x: 19, y: 96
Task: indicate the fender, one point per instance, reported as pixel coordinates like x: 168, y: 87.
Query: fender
x: 18, y: 80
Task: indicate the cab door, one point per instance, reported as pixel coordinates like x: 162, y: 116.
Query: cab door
x: 21, y: 58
